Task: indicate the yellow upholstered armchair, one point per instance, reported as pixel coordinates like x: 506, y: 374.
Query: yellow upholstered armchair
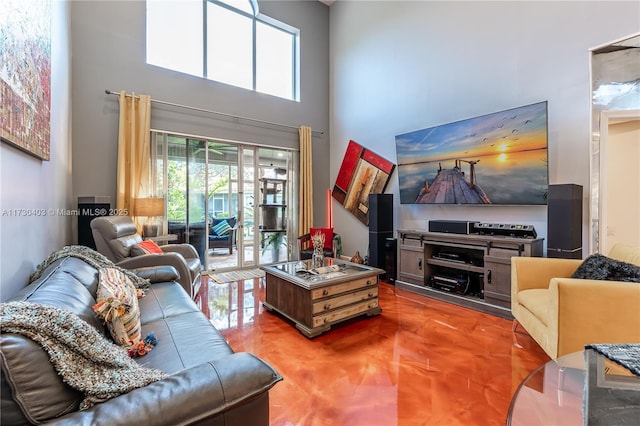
x: 563, y: 314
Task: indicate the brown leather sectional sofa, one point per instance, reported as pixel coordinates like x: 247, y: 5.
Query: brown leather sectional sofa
x: 207, y: 384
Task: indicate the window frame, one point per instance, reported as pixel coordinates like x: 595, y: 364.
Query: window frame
x: 256, y: 18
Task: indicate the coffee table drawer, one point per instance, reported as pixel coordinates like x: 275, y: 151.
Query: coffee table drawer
x: 344, y: 300
x: 347, y: 312
x: 332, y: 290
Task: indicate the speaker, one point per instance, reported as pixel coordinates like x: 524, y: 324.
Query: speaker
x: 391, y: 259
x: 377, y: 248
x: 380, y: 212
x: 564, y: 221
x: 88, y: 209
x: 451, y: 226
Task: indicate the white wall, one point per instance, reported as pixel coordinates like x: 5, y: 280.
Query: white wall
x: 109, y: 53
x: 28, y: 183
x: 403, y: 66
x: 621, y: 181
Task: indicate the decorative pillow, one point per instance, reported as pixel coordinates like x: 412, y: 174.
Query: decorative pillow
x: 599, y: 267
x: 328, y: 236
x: 146, y: 247
x: 222, y: 228
x: 118, y: 306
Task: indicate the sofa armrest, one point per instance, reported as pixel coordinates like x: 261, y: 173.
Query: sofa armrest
x: 157, y: 274
x: 593, y: 311
x: 536, y: 272
x: 186, y: 397
x: 172, y: 259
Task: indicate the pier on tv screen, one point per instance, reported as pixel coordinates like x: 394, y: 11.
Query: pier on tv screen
x: 499, y: 158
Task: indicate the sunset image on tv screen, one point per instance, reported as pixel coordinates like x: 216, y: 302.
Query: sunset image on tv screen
x: 498, y: 158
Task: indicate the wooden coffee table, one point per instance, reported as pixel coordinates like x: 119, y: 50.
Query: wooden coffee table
x: 316, y: 302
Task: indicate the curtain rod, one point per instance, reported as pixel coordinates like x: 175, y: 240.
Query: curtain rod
x: 235, y: 117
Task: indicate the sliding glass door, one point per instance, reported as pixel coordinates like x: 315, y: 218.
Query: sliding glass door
x: 210, y: 181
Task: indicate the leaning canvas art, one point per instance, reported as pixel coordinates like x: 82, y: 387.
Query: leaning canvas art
x: 362, y: 172
x: 498, y: 158
x: 25, y: 75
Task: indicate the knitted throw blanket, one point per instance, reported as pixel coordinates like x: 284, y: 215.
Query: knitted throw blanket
x: 86, y: 360
x: 92, y: 257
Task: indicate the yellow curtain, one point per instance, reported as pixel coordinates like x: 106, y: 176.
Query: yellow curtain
x: 134, y: 151
x: 305, y: 221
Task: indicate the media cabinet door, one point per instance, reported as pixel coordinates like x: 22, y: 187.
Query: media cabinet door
x: 497, y: 280
x: 411, y: 262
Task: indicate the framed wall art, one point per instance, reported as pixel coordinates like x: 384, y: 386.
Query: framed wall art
x: 362, y: 172
x: 25, y: 75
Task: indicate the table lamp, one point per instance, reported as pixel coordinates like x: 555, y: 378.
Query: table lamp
x: 151, y: 208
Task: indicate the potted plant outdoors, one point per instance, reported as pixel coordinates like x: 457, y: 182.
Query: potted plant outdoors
x: 274, y: 241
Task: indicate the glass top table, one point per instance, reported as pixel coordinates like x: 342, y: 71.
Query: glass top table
x: 333, y: 270
x: 563, y: 390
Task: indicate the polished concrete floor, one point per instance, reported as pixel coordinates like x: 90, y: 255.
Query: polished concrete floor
x: 420, y: 362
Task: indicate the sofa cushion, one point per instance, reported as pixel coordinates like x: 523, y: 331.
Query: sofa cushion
x: 118, y: 305
x: 222, y: 228
x: 68, y: 283
x: 536, y: 301
x: 163, y: 300
x: 34, y: 380
x: 182, y: 341
x: 146, y: 247
x: 599, y: 267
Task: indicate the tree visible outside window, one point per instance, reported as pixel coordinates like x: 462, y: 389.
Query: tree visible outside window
x: 226, y: 41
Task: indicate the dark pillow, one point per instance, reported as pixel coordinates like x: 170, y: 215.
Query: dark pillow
x: 599, y: 267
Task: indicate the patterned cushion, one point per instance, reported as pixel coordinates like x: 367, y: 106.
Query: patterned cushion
x: 118, y: 306
x: 222, y: 228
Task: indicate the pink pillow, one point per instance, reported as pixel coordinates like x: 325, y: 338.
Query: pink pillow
x: 328, y: 236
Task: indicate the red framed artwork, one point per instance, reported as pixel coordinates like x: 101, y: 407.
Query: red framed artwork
x: 362, y: 172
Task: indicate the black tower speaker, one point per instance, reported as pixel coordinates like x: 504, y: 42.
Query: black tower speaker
x: 380, y: 227
x: 391, y: 259
x: 380, y: 212
x: 88, y: 209
x: 564, y: 221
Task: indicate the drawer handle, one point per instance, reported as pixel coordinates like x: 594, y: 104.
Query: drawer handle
x: 327, y: 306
x: 325, y: 292
x: 371, y: 305
x: 370, y: 294
x: 326, y: 320
x: 369, y: 282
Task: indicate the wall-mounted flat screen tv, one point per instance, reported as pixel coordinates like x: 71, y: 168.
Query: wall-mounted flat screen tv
x: 499, y: 158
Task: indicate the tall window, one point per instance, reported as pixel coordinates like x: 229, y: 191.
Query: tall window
x: 227, y: 41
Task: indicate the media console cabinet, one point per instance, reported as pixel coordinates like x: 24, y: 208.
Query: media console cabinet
x: 469, y: 270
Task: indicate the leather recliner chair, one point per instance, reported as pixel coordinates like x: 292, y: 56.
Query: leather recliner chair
x: 116, y: 235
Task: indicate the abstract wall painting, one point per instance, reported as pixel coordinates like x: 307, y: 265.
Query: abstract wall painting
x: 25, y: 75
x: 362, y: 172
